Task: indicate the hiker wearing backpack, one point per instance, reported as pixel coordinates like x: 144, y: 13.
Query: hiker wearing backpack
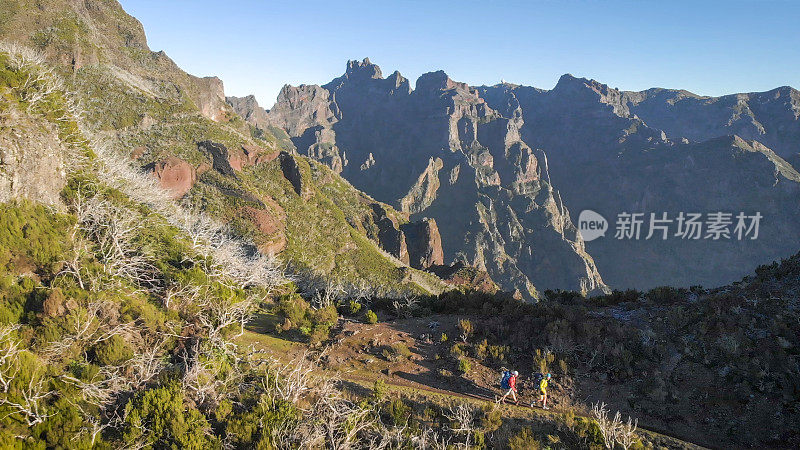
x: 509, y: 381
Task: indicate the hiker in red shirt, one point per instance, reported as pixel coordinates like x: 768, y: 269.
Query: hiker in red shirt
x: 512, y: 388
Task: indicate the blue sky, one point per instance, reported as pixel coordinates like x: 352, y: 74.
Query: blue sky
x: 707, y: 47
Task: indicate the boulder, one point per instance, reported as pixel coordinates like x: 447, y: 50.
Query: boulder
x: 53, y: 305
x: 174, y: 175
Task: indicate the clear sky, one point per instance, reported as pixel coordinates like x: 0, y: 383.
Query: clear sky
x: 708, y: 47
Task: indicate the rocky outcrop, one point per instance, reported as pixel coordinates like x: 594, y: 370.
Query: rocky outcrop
x: 441, y: 151
x: 423, y: 192
x: 291, y: 171
x: 31, y: 162
x: 389, y: 236
x: 229, y: 161
x: 174, y: 175
x: 500, y: 168
x: 210, y: 98
x: 270, y: 221
x: 424, y: 243
x: 220, y: 157
x: 465, y: 277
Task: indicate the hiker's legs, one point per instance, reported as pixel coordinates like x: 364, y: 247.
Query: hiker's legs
x: 511, y: 392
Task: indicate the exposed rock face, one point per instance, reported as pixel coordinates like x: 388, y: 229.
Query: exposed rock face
x: 772, y: 117
x: 603, y: 156
x: 291, y: 171
x: 229, y: 161
x: 221, y: 158
x: 423, y: 192
x: 270, y: 220
x: 500, y: 168
x: 175, y: 175
x: 31, y: 163
x: 390, y: 238
x: 210, y: 98
x: 463, y: 276
x: 442, y: 152
x: 424, y: 243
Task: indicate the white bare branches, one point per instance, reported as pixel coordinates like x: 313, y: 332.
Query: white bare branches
x: 234, y: 258
x: 9, y: 355
x: 406, y: 305
x: 40, y: 83
x: 613, y: 429
x: 462, y: 418
x: 29, y: 405
x: 113, y: 229
x: 291, y: 381
x: 101, y: 390
x: 218, y: 313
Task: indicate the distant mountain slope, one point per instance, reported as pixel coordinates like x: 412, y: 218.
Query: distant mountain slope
x: 486, y: 162
x: 772, y: 117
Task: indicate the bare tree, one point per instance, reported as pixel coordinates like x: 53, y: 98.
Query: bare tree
x: 112, y: 229
x: 462, y: 418
x: 218, y: 313
x: 406, y: 305
x: 607, y: 425
x: 613, y: 429
x: 30, y: 405
x: 9, y: 355
x: 626, y: 434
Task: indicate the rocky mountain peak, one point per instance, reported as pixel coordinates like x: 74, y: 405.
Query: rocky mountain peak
x: 439, y: 81
x: 363, y: 69
x: 586, y: 90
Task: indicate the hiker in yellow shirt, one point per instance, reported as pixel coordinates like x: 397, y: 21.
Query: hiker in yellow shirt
x: 543, y: 390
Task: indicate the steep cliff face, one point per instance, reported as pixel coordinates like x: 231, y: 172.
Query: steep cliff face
x: 440, y: 151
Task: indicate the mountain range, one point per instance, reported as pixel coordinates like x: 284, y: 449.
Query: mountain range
x: 504, y: 170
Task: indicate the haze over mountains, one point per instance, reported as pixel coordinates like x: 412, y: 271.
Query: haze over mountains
x: 504, y: 170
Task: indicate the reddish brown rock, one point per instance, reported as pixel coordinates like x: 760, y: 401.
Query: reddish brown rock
x: 175, y: 175
x: 424, y: 243
x: 270, y: 221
